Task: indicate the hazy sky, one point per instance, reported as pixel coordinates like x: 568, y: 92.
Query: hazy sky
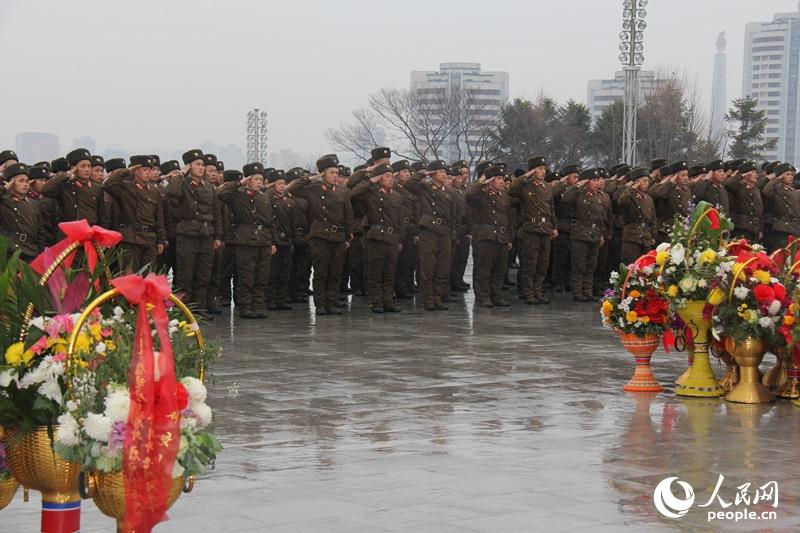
x: 175, y: 73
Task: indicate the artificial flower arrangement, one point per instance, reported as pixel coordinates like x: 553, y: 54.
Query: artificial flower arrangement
x: 634, y: 303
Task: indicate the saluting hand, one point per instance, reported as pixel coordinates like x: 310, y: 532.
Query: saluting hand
x: 217, y: 244
x: 554, y: 234
x: 159, y: 249
x: 273, y: 250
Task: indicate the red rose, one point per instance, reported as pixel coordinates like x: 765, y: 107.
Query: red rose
x: 182, y: 396
x: 763, y: 294
x: 780, y: 291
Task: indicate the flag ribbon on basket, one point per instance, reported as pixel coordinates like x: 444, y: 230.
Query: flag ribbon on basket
x: 78, y: 231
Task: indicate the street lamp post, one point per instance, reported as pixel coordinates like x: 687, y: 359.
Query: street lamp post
x: 631, y: 56
x: 257, y: 136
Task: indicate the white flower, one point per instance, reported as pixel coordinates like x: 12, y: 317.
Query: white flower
x: 765, y: 322
x: 647, y: 270
x: 197, y: 391
x: 688, y: 284
x: 97, y: 427
x: 203, y: 414
x: 67, y: 433
x: 774, y: 307
x: 663, y: 247
x: 118, y: 312
x: 118, y: 403
x: 741, y: 292
x: 677, y: 254
x: 52, y: 390
x: 101, y: 347
x: 7, y: 377
x: 702, y: 284
x: 38, y: 322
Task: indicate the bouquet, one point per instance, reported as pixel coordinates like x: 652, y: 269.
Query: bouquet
x: 633, y: 303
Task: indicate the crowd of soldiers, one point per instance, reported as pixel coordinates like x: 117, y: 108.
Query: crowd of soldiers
x: 388, y: 229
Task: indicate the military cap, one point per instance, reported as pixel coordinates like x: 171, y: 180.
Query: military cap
x: 665, y: 171
x: 210, y: 159
x: 481, y: 167
x: 603, y: 172
x: 231, y: 175
x: 382, y: 169
x: 380, y: 152
x: 370, y: 162
x: 460, y: 164
x: 697, y: 170
x: 747, y: 166
x: 117, y: 163
x: 552, y: 176
x: 657, y: 164
x: 251, y: 169
x: 769, y: 168
x: 156, y: 160
x: 141, y: 161
x: 637, y: 173
x: 76, y: 156
x: 438, y: 164
x: 344, y: 171
x: 570, y: 169
x: 621, y: 170
x: 736, y: 163
x: 403, y: 164
x: 45, y: 164
x: 714, y: 165
x: 453, y: 170
x: 293, y: 174
x: 17, y: 169
x: 38, y: 172
x: 359, y: 168
x: 494, y: 171
x: 784, y: 167
x: 589, y: 174
x: 60, y: 164
x: 276, y: 175
x: 192, y: 155
x: 97, y: 161
x: 220, y: 166
x: 327, y: 161
x: 418, y: 166
x: 267, y: 171
x: 8, y: 155
x: 678, y: 166
x: 537, y: 161
x: 169, y: 166
x: 519, y: 172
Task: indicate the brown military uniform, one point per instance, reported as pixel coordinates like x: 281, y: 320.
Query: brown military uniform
x: 141, y: 218
x: 564, y: 216
x: 227, y: 276
x: 785, y: 202
x: 437, y: 216
x: 384, y: 211
x: 251, y: 232
x: 197, y: 225
x: 593, y: 221
x: 408, y: 256
x: 462, y: 242
x: 641, y: 225
x: 747, y: 209
x: 283, y: 237
x: 166, y: 260
x: 492, y: 233
x: 301, y: 254
x: 49, y: 215
x: 714, y: 193
x: 77, y: 199
x: 21, y: 224
x: 331, y: 217
x: 537, y: 222
x: 676, y: 200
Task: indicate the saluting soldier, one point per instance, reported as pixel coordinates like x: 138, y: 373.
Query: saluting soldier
x: 639, y: 214
x: 141, y: 213
x: 198, y: 228
x: 592, y: 208
x: 674, y: 194
x: 354, y: 265
x: 8, y: 158
x: 712, y: 188
x: 332, y: 224
x: 251, y: 213
x: 78, y: 196
x: 460, y: 171
x: 282, y: 237
x: 384, y: 235
x: 785, y: 200
x: 48, y: 207
x: 437, y: 215
x: 747, y: 208
x: 228, y: 268
x: 538, y: 227
x: 492, y: 233
x: 564, y: 218
x: 166, y: 170
x: 301, y: 254
x: 20, y: 217
x: 111, y: 209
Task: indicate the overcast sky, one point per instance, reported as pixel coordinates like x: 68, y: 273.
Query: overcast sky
x: 173, y: 74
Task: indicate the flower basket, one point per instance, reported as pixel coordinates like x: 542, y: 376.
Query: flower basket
x: 642, y: 348
x: 701, y: 381
x: 8, y: 488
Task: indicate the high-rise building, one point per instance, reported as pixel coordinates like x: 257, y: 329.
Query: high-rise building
x: 33, y: 147
x: 487, y: 93
x: 771, y: 64
x: 85, y: 142
x: 719, y: 92
x: 284, y: 159
x: 602, y: 93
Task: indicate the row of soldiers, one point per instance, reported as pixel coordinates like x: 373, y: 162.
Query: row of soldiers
x: 385, y: 225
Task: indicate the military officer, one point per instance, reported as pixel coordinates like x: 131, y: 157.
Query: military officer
x: 639, y: 215
x: 228, y: 267
x: 460, y: 171
x: 78, y: 196
x: 785, y: 200
x: 712, y: 188
x: 20, y: 217
x: 282, y: 237
x: 301, y: 254
x: 564, y: 218
x: 674, y: 194
x: 404, y: 273
x: 593, y: 219
x: 747, y: 208
x: 7, y: 158
x: 538, y: 227
x: 37, y: 177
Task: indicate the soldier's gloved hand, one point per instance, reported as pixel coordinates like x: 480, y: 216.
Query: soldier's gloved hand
x: 217, y: 244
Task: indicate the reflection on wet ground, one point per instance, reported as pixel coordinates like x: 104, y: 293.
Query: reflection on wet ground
x: 494, y: 420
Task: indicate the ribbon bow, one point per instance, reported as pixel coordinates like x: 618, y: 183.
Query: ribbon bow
x: 152, y: 435
x: 79, y: 231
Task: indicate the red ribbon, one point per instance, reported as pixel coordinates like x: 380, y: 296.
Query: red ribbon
x: 152, y: 433
x: 713, y: 218
x: 79, y: 231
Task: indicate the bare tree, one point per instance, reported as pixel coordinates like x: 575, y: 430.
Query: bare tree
x: 360, y: 137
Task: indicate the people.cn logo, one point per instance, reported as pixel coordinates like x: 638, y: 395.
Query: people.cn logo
x: 666, y: 502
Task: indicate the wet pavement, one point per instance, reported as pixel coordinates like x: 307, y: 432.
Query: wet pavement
x: 496, y: 420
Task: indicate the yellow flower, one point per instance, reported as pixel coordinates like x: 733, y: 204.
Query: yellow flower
x: 738, y: 267
x: 672, y: 292
x: 14, y: 354
x: 762, y: 276
x: 661, y: 258
x: 788, y: 320
x: 634, y: 294
x: 752, y: 316
x: 631, y: 316
x: 110, y: 345
x: 607, y: 308
x: 82, y: 343
x: 707, y: 256
x: 716, y: 296
x: 644, y: 319
x: 94, y: 331
x: 793, y: 308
